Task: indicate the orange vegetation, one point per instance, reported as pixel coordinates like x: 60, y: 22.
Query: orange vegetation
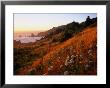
x: 75, y: 56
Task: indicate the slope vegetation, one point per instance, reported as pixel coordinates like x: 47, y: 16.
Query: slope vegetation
x: 75, y: 56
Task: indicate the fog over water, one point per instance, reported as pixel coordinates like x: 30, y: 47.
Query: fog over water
x: 27, y: 39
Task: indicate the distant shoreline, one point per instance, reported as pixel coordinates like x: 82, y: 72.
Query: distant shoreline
x: 27, y: 39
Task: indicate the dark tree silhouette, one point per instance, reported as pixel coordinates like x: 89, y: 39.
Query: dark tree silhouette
x: 88, y: 21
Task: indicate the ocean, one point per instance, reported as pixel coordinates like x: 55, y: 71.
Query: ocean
x: 27, y: 39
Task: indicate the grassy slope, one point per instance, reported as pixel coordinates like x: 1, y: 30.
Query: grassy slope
x: 74, y: 56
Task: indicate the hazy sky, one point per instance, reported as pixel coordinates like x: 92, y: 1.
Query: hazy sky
x: 43, y: 22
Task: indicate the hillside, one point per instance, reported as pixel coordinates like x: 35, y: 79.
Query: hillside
x: 75, y: 56
x: 72, y: 27
x: 69, y: 49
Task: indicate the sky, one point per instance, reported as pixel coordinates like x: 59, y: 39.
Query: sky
x: 26, y: 23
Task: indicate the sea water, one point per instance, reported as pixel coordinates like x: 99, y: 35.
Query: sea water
x: 27, y: 39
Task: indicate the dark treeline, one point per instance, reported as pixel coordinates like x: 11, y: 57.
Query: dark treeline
x: 71, y: 29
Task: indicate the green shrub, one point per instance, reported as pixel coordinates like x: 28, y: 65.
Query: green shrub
x: 22, y: 57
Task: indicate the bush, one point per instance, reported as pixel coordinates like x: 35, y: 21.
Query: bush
x: 54, y: 40
x: 22, y: 57
x: 70, y: 30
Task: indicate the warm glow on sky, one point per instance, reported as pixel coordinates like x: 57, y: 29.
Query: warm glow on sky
x: 25, y: 23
